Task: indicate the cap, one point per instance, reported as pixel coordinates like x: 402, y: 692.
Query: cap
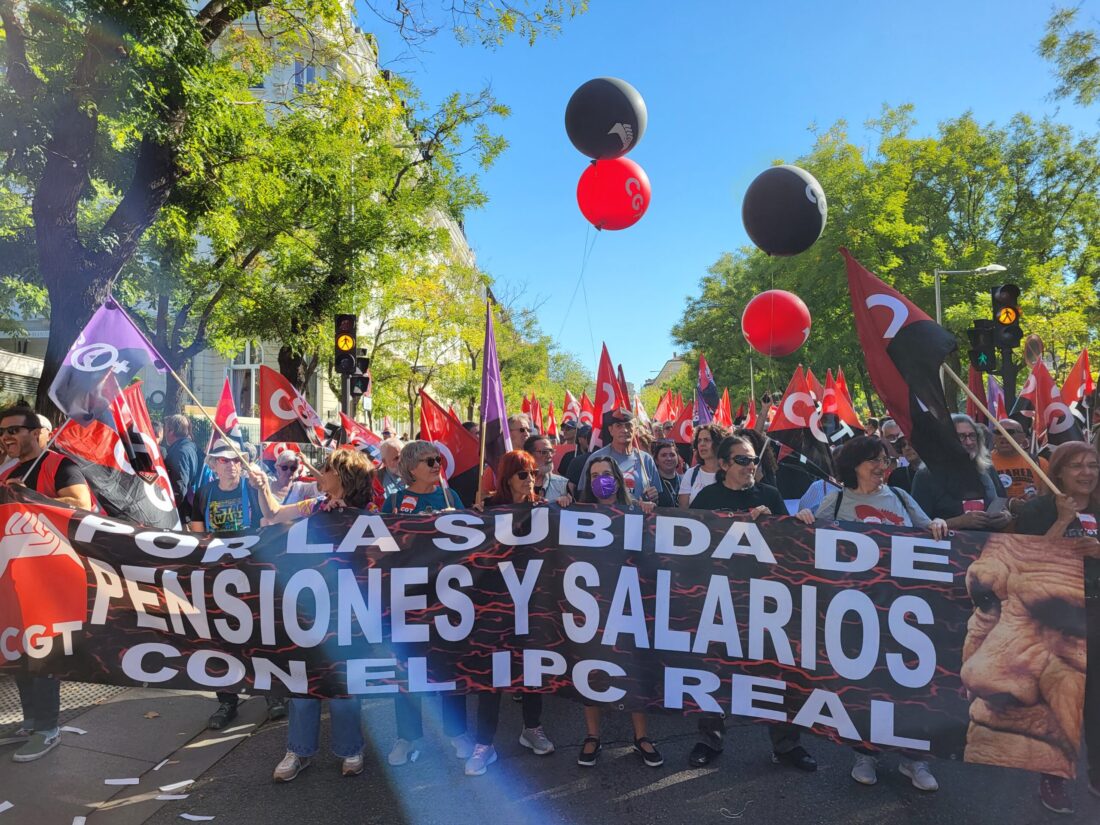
x: 44, y: 423
x: 221, y: 449
x: 569, y: 424
x: 619, y: 416
x: 584, y: 431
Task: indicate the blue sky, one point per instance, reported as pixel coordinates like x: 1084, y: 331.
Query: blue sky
x: 730, y: 85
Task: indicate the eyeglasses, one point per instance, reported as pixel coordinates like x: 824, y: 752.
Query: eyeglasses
x: 228, y: 460
x: 523, y: 475
x: 434, y: 461
x: 745, y: 460
x: 286, y: 466
x: 15, y: 430
x: 521, y: 429
x: 899, y: 442
x: 884, y: 460
x: 968, y: 436
x: 1093, y: 467
x: 544, y: 452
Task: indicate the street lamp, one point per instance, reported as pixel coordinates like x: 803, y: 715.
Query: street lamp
x: 981, y: 270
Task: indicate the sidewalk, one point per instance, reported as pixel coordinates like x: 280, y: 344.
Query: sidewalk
x: 158, y: 737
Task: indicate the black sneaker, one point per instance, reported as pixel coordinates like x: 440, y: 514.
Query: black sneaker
x: 796, y: 757
x: 590, y: 751
x: 276, y: 708
x: 651, y: 756
x: 221, y: 718
x: 702, y: 755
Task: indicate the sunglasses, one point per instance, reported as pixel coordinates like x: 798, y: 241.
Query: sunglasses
x: 745, y: 461
x: 16, y: 429
x: 899, y: 442
x: 523, y: 475
x: 432, y: 462
x: 228, y: 460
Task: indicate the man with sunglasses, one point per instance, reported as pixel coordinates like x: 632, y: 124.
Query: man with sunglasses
x: 908, y: 462
x: 548, y: 484
x: 225, y: 505
x: 51, y: 474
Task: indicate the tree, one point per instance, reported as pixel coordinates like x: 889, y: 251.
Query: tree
x: 1026, y: 196
x: 1075, y: 54
x: 131, y: 105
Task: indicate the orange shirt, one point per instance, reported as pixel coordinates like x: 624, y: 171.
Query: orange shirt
x: 1018, y: 478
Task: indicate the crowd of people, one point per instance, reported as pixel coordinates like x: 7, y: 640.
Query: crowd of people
x: 879, y: 478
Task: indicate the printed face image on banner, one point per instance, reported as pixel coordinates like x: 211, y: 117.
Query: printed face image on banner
x: 1024, y: 656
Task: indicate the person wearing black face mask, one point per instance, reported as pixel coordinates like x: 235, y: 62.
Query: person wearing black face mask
x: 736, y: 490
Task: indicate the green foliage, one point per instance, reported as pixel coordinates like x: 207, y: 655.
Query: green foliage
x: 1026, y: 196
x: 1075, y: 53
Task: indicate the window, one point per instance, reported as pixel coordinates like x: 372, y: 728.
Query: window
x: 304, y: 74
x: 244, y: 376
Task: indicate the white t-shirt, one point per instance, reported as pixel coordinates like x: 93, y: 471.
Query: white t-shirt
x: 694, y: 480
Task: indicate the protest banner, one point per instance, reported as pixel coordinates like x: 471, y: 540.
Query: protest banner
x: 859, y: 632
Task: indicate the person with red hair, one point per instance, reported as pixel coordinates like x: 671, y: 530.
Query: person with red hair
x: 516, y: 474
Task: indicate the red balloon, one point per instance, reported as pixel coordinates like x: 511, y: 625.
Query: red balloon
x: 776, y: 322
x: 613, y: 193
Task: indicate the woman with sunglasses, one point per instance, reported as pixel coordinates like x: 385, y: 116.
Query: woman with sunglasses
x: 606, y: 486
x: 285, y: 487
x: 420, y: 467
x: 736, y: 490
x: 517, y: 473
x: 346, y: 479
x: 1075, y: 470
x: 862, y: 466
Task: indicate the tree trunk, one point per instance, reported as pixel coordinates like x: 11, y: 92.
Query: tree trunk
x: 293, y: 367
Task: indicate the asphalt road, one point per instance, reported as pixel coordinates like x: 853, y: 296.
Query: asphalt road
x: 740, y: 788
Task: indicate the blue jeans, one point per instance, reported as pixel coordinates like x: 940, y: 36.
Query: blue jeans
x: 304, y: 732
x: 40, y: 697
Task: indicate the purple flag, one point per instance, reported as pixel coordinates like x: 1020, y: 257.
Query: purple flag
x: 109, y: 346
x: 494, y: 418
x: 703, y: 414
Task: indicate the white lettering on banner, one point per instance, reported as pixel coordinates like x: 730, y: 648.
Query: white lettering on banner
x: 826, y: 547
x: 664, y: 637
x: 746, y: 691
x: 717, y: 620
x: 852, y: 601
x: 179, y: 605
x: 299, y: 583
x: 582, y: 681
x: 37, y: 641
x: 695, y: 531
x: 456, y: 600
x: 628, y: 593
x: 520, y: 590
x: 743, y: 538
x: 540, y: 528
x: 772, y: 622
x: 585, y: 602
x: 148, y: 662
x: 459, y: 526
x: 142, y: 599
x: 912, y: 639
x: 698, y: 684
x: 584, y: 529
x: 813, y: 713
x: 401, y: 604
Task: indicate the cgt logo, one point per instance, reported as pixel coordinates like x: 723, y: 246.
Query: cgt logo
x: 43, y: 585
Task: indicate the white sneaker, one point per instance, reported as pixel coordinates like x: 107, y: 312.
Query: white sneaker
x: 536, y: 740
x: 919, y: 774
x: 290, y: 767
x: 483, y: 756
x: 463, y: 745
x: 403, y: 751
x: 352, y: 765
x: 863, y: 771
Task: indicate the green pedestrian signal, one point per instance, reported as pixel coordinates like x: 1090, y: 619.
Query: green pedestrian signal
x: 983, y: 356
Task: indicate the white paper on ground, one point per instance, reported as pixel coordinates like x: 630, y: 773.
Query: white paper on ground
x: 5, y: 806
x: 195, y: 818
x: 162, y: 763
x: 175, y: 786
x: 79, y: 820
x: 168, y: 797
x: 130, y: 780
x: 71, y: 729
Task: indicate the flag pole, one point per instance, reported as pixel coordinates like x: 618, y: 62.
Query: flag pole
x: 481, y: 422
x: 202, y: 409
x: 46, y: 449
x: 1015, y: 445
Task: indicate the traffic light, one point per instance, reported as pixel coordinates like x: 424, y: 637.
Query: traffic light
x: 345, y: 344
x: 983, y: 352
x: 1006, y: 316
x: 360, y: 379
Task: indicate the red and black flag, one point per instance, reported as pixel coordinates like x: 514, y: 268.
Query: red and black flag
x: 904, y: 350
x: 460, y: 451
x: 1040, y: 408
x: 1078, y: 388
x: 839, y: 421
x: 285, y: 415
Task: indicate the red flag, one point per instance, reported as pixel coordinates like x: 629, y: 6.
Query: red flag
x: 387, y: 426
x: 537, y: 420
x: 838, y: 419
x: 570, y: 408
x: 459, y: 448
x: 996, y: 397
x: 815, y: 386
x: 723, y: 415
x: 796, y: 426
x: 358, y: 436
x: 639, y: 411
x: 977, y: 386
x: 587, y: 414
x: 284, y: 413
x: 622, y: 382
x: 682, y: 429
x: 904, y: 350
x: 750, y: 421
x: 1078, y: 384
x: 225, y: 416
x: 1040, y: 400
x: 274, y: 449
x: 609, y: 396
x: 664, y: 408
x: 551, y: 423
x: 451, y: 412
x: 525, y: 405
x: 842, y: 386
x: 679, y: 403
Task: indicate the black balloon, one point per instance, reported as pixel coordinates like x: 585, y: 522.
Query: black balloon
x: 784, y: 210
x: 605, y: 118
